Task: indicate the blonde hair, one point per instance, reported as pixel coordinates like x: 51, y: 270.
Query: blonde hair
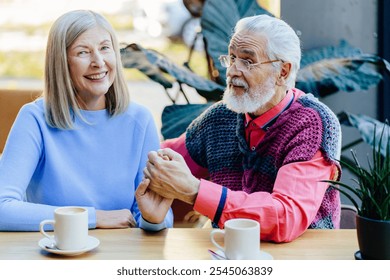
x: 59, y: 93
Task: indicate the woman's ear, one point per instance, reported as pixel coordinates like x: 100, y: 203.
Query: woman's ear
x: 284, y: 73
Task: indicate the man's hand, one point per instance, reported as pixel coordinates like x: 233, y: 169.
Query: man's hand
x: 170, y: 176
x: 153, y: 206
x: 115, y: 219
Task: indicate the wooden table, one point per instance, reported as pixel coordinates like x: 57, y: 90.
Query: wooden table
x: 179, y: 244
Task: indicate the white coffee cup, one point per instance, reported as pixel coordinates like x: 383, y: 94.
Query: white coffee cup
x: 241, y: 239
x: 70, y: 228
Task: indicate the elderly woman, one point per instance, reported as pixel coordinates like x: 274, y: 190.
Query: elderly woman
x: 83, y: 143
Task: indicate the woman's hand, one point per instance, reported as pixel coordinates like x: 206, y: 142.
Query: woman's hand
x: 153, y: 206
x: 114, y: 219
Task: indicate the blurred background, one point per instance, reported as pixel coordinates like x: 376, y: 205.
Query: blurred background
x: 162, y: 25
x: 24, y: 26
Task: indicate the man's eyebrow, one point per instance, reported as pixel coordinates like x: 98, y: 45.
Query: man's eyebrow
x: 248, y: 52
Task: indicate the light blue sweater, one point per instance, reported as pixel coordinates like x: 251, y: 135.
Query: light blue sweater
x: 97, y: 165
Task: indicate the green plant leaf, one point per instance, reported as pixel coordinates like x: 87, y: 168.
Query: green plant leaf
x: 373, y: 183
x: 337, y: 183
x: 354, y: 202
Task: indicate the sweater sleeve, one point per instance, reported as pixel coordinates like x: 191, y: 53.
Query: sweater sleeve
x: 18, y: 162
x: 283, y: 214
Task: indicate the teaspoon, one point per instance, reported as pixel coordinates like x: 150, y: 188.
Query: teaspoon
x: 216, y: 255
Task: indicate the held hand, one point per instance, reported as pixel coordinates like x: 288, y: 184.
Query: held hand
x: 153, y: 206
x: 171, y: 178
x: 115, y: 219
x: 192, y: 217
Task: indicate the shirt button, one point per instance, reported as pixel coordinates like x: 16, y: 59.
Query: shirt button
x: 253, y: 124
x: 253, y: 148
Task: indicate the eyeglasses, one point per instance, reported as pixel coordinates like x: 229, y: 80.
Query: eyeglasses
x: 241, y: 64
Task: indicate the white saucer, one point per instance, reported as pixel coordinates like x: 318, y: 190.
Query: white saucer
x: 92, y: 243
x: 262, y: 255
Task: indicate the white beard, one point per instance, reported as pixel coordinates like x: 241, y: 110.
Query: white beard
x: 252, y: 99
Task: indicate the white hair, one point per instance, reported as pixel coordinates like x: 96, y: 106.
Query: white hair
x: 282, y: 41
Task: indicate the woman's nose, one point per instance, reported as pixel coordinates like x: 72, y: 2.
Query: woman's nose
x: 97, y: 60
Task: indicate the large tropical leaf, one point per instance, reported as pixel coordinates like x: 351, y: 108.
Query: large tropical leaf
x: 176, y: 118
x: 134, y: 56
x: 369, y: 129
x: 327, y: 70
x: 206, y: 88
x: 218, y: 20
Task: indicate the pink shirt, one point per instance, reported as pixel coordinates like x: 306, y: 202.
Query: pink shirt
x: 297, y: 195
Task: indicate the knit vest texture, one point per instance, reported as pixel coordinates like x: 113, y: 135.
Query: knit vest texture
x: 216, y: 141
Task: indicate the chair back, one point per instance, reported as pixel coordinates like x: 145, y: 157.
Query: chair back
x: 348, y: 217
x: 10, y: 103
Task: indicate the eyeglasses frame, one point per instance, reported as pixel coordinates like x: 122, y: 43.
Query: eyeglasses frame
x: 225, y: 62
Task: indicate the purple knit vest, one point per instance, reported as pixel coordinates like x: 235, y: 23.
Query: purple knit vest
x: 216, y: 141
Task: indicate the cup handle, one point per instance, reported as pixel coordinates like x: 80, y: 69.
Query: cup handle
x: 42, y: 230
x: 214, y: 232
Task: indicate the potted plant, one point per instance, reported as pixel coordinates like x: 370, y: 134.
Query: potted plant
x: 373, y: 191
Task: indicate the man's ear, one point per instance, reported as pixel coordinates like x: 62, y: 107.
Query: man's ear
x: 283, y: 74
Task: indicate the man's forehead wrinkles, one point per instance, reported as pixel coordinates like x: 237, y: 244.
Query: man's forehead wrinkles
x: 245, y: 37
x: 247, y: 44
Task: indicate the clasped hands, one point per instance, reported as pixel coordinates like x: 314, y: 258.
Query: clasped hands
x: 167, y: 177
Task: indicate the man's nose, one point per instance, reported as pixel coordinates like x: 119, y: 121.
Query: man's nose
x: 233, y: 71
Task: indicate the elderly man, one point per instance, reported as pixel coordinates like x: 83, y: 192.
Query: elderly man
x: 264, y: 149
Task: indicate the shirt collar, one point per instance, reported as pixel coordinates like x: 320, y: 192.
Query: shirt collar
x: 264, y: 121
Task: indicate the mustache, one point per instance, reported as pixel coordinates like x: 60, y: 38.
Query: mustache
x: 236, y: 82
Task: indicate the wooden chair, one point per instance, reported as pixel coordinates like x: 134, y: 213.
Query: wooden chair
x: 348, y: 217
x: 185, y: 216
x: 10, y: 103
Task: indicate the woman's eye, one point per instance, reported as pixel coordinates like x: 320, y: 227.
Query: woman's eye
x: 82, y: 53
